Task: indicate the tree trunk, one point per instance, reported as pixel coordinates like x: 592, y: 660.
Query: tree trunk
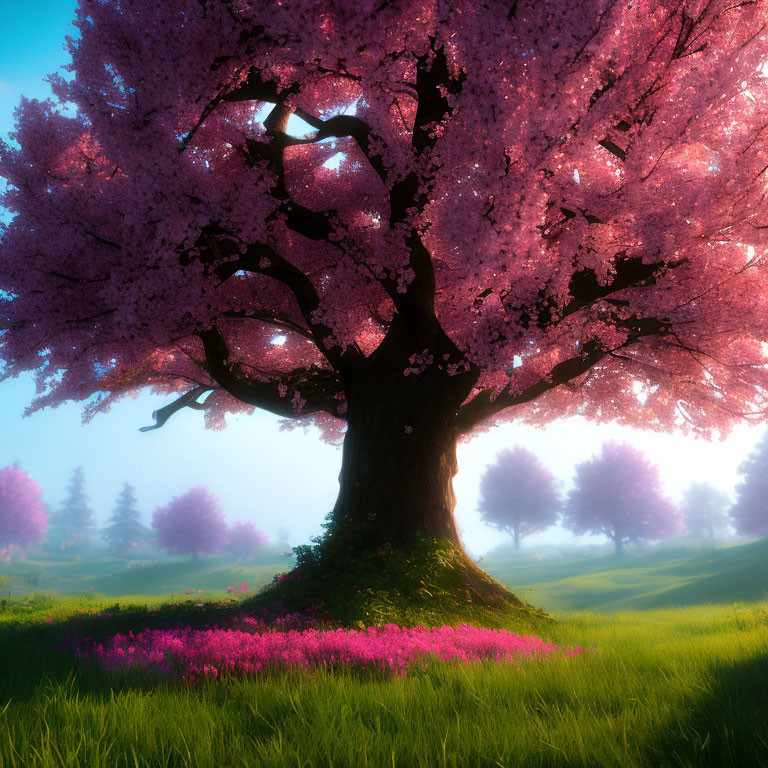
x: 396, y: 485
x: 399, y: 456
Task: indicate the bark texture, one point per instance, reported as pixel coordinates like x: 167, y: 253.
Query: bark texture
x: 399, y: 456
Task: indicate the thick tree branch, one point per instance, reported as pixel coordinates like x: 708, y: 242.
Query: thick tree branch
x: 270, y: 317
x: 253, y: 89
x: 187, y: 400
x: 338, y: 126
x: 483, y: 405
x: 433, y: 84
x: 341, y: 126
x: 414, y: 302
x: 317, y: 387
x: 276, y: 125
x: 261, y: 259
x: 585, y: 290
x: 314, y: 225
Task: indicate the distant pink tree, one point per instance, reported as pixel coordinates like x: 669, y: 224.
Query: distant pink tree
x: 750, y: 512
x: 22, y: 515
x: 519, y: 494
x: 191, y: 524
x: 245, y: 539
x: 618, y: 493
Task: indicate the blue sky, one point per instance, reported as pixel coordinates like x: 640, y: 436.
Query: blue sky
x: 275, y: 478
x: 31, y: 39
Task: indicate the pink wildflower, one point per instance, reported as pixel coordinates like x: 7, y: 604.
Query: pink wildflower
x: 192, y: 652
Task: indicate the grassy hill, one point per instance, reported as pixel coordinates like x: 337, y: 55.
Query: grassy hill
x: 115, y: 576
x: 658, y: 579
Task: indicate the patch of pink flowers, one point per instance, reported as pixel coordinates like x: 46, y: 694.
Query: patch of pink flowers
x: 189, y: 653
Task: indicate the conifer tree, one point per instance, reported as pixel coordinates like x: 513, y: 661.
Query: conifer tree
x: 124, y: 529
x: 57, y: 535
x: 70, y: 526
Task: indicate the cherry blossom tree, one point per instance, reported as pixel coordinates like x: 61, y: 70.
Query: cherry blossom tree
x: 618, y: 493
x: 22, y: 516
x: 705, y: 510
x: 519, y: 494
x: 750, y: 512
x: 191, y: 524
x: 245, y: 539
x: 403, y: 221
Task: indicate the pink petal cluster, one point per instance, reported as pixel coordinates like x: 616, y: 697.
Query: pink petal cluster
x: 572, y: 192
x: 189, y: 653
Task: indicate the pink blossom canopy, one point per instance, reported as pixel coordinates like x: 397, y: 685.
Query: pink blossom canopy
x: 249, y: 194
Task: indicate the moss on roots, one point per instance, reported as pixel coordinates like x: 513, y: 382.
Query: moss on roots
x: 428, y: 583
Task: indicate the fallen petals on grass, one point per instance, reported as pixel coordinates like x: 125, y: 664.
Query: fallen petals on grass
x: 188, y: 653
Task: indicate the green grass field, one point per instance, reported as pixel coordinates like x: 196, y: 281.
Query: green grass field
x: 681, y: 686
x: 659, y: 579
x: 113, y: 576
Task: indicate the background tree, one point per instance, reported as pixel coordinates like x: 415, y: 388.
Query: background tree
x: 124, y: 529
x: 705, y: 510
x: 750, y: 512
x: 282, y: 539
x: 191, y: 524
x: 519, y: 494
x: 452, y: 212
x: 245, y: 539
x: 70, y: 527
x: 618, y: 493
x: 22, y: 515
